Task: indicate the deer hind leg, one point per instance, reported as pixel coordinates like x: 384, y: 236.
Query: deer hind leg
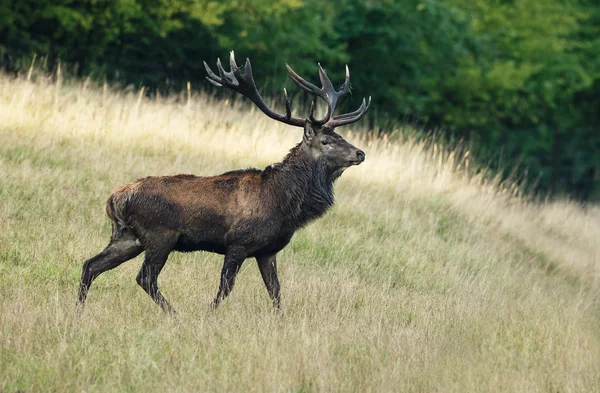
x: 234, y: 257
x: 268, y: 271
x: 118, y: 251
x: 147, y: 278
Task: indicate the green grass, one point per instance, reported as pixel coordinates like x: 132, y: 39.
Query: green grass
x: 423, y: 278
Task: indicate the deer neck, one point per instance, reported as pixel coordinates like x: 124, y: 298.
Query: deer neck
x: 304, y: 186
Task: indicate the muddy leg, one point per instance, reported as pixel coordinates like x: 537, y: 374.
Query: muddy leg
x: 117, y: 252
x: 234, y: 257
x: 268, y: 271
x: 147, y: 278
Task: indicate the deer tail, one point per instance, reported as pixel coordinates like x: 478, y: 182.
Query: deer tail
x: 116, y: 208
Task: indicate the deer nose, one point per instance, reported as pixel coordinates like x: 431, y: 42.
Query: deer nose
x: 360, y: 155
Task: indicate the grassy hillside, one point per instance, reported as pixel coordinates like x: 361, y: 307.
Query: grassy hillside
x: 421, y: 279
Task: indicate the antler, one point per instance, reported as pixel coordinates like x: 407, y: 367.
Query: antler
x: 350, y: 117
x: 328, y: 93
x: 242, y: 81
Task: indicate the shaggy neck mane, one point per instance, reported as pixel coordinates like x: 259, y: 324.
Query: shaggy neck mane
x: 303, y: 186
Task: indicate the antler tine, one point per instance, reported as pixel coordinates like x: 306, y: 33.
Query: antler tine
x: 243, y: 83
x: 330, y: 95
x: 346, y: 85
x: 288, y: 106
x: 234, y: 67
x: 226, y: 75
x: 311, y: 112
x: 326, y: 92
x: 301, y: 82
x: 351, y: 117
x: 354, y: 113
x: 212, y: 77
x: 325, y: 81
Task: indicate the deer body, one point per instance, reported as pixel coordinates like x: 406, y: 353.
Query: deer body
x: 259, y: 210
x: 239, y: 214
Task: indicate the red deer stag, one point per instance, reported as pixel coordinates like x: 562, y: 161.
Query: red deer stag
x: 239, y: 214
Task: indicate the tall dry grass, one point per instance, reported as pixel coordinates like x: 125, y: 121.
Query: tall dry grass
x: 425, y: 277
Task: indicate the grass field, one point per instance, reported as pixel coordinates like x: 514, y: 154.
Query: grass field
x: 423, y: 278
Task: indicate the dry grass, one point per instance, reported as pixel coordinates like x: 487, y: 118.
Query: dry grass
x: 422, y: 279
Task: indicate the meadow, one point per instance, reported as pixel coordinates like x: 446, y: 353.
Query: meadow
x: 427, y: 276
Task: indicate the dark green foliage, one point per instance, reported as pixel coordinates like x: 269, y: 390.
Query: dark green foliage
x: 519, y: 78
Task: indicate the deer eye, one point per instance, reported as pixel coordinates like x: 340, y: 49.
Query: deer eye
x: 324, y: 142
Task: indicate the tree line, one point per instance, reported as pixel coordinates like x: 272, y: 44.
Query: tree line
x: 518, y: 79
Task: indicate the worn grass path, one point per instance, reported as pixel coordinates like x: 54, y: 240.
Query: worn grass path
x: 423, y: 278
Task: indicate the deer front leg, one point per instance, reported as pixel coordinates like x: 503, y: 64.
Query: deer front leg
x: 268, y: 271
x: 234, y: 257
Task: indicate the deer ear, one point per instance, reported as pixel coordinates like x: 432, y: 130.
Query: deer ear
x: 309, y: 131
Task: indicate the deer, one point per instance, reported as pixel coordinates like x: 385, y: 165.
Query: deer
x: 240, y: 214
